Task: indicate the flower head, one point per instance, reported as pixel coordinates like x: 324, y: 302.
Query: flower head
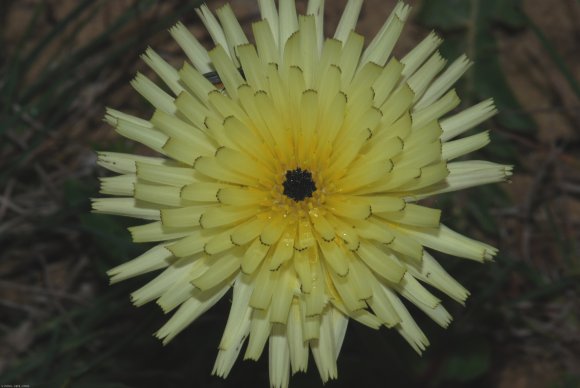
x: 291, y: 171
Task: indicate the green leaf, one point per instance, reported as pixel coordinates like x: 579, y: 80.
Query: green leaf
x: 76, y: 193
x: 555, y: 56
x: 468, y: 361
x: 509, y: 13
x: 567, y: 381
x: 468, y: 26
x: 445, y: 14
x: 110, y: 235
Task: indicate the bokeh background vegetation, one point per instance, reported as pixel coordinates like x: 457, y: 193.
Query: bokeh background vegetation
x: 61, y: 325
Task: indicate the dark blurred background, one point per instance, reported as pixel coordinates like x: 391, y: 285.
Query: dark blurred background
x: 61, y: 325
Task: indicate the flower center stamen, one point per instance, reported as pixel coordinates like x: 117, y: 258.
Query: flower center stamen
x: 298, y: 184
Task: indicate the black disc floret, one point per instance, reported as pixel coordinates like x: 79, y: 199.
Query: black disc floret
x: 299, y: 184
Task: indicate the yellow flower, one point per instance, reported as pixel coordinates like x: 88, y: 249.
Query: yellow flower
x: 290, y: 171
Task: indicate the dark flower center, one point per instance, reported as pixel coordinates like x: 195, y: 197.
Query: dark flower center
x: 299, y: 184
